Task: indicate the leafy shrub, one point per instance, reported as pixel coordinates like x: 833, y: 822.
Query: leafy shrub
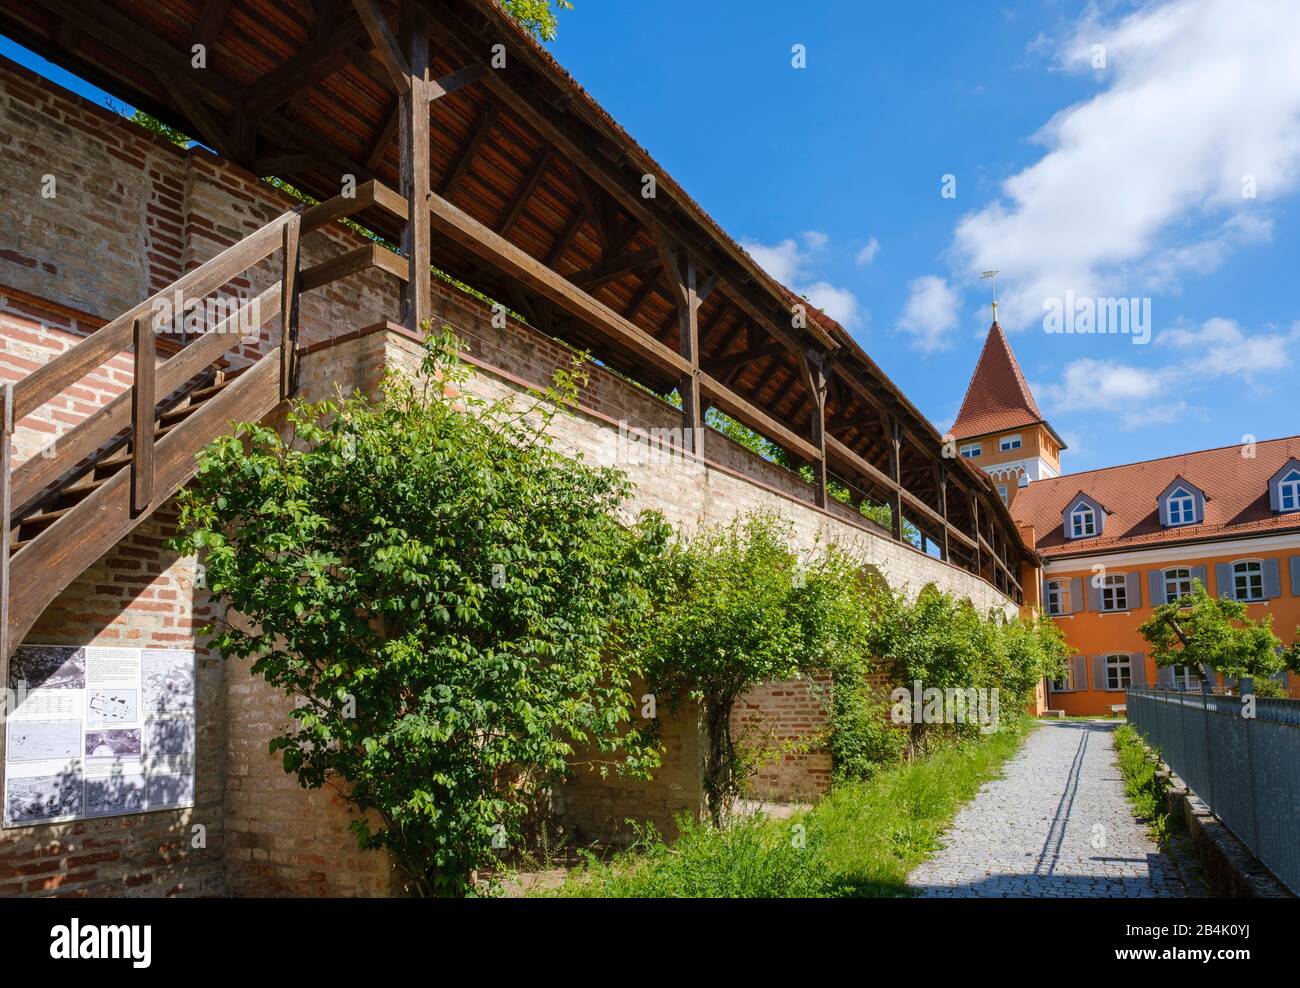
x: 450, y: 602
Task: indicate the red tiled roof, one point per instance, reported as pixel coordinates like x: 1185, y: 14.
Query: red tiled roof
x: 1235, y: 487
x: 997, y: 397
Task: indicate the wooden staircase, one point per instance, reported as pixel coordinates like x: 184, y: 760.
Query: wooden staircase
x: 69, y: 505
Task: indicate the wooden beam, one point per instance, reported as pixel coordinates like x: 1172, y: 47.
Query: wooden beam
x: 566, y: 237
x: 302, y: 71
x: 613, y: 267
x: 379, y: 149
x: 718, y: 365
x: 351, y: 262
x: 688, y: 329
x: 747, y: 413
x: 812, y: 366
x: 452, y: 81
x: 6, y: 510
x: 417, y: 297
x: 211, y: 132
x: 525, y: 192
x: 209, y: 24
x: 143, y: 399
x: 649, y: 280
x: 387, y: 49
x: 467, y: 153
x: 509, y: 260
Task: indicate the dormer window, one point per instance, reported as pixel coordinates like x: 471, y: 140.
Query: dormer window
x: 1182, y: 507
x: 1181, y: 503
x: 1288, y: 490
x: 1083, y: 522
x: 1284, y: 487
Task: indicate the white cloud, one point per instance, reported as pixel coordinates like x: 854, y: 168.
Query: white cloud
x: 930, y: 313
x: 868, y: 253
x: 782, y: 260
x: 796, y: 267
x: 838, y: 303
x: 1216, y: 350
x: 1198, y: 95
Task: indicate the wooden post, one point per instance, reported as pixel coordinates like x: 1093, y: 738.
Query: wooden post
x: 975, y: 522
x: 943, y: 510
x: 413, y: 108
x: 896, y: 475
x: 142, y: 409
x: 688, y: 325
x: 289, y: 308
x: 813, y: 367
x: 6, y: 509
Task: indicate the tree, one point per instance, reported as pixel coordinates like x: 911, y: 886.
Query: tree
x: 537, y: 16
x: 1202, y: 631
x: 450, y: 602
x: 740, y: 610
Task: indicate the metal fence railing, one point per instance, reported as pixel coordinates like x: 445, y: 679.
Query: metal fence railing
x: 1246, y: 769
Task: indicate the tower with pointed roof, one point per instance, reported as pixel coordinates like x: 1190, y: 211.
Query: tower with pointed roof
x: 1000, y: 427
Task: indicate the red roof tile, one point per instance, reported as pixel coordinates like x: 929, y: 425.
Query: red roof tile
x: 997, y: 397
x: 1235, y: 486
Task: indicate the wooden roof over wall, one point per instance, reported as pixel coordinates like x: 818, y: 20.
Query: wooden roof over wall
x: 298, y: 89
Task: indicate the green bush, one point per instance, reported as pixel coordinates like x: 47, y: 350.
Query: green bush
x: 450, y: 603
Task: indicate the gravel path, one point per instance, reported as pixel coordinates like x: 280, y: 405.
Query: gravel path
x: 1057, y: 824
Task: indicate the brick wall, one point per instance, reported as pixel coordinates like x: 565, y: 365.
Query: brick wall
x: 129, y: 214
x: 788, y: 721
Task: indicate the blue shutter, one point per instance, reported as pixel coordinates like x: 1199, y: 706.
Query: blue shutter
x: 1080, y: 680
x: 1223, y: 580
x: 1272, y: 579
x: 1138, y: 665
x: 1134, y: 587
x: 1198, y: 573
x: 1156, y: 583
x: 1094, y: 594
x: 1295, y: 576
x: 1209, y: 676
x: 1165, y: 677
x: 1078, y: 604
x: 1099, y: 672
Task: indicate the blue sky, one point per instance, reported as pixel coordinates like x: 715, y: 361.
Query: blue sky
x: 1105, y: 150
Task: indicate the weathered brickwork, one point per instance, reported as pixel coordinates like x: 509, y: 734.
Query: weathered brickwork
x: 788, y: 723
x: 128, y: 214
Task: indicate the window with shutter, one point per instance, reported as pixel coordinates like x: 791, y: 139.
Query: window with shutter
x: 1178, y: 583
x: 1248, y: 580
x: 1114, y: 593
x: 1119, y: 671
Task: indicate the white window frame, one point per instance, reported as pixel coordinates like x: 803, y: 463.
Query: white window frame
x: 1251, y: 570
x: 970, y: 451
x: 1002, y: 492
x: 1081, y: 511
x: 1169, y: 579
x: 1187, y: 680
x: 1116, y: 585
x: 1186, y: 506
x: 1063, y: 685
x: 1288, y: 492
x: 1058, y: 598
x: 1007, y: 443
x: 1120, y: 663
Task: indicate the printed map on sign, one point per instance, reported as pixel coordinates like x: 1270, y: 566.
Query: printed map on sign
x: 97, y: 732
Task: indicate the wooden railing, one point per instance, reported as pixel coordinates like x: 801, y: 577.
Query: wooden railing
x: 156, y: 466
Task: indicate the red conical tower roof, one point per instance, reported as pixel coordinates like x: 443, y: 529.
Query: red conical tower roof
x: 998, y: 397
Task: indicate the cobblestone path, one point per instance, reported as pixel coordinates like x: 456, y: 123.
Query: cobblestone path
x: 1057, y: 824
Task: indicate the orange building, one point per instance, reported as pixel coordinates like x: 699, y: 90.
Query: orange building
x: 1115, y: 543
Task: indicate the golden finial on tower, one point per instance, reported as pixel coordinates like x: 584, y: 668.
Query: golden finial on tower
x: 994, y: 275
